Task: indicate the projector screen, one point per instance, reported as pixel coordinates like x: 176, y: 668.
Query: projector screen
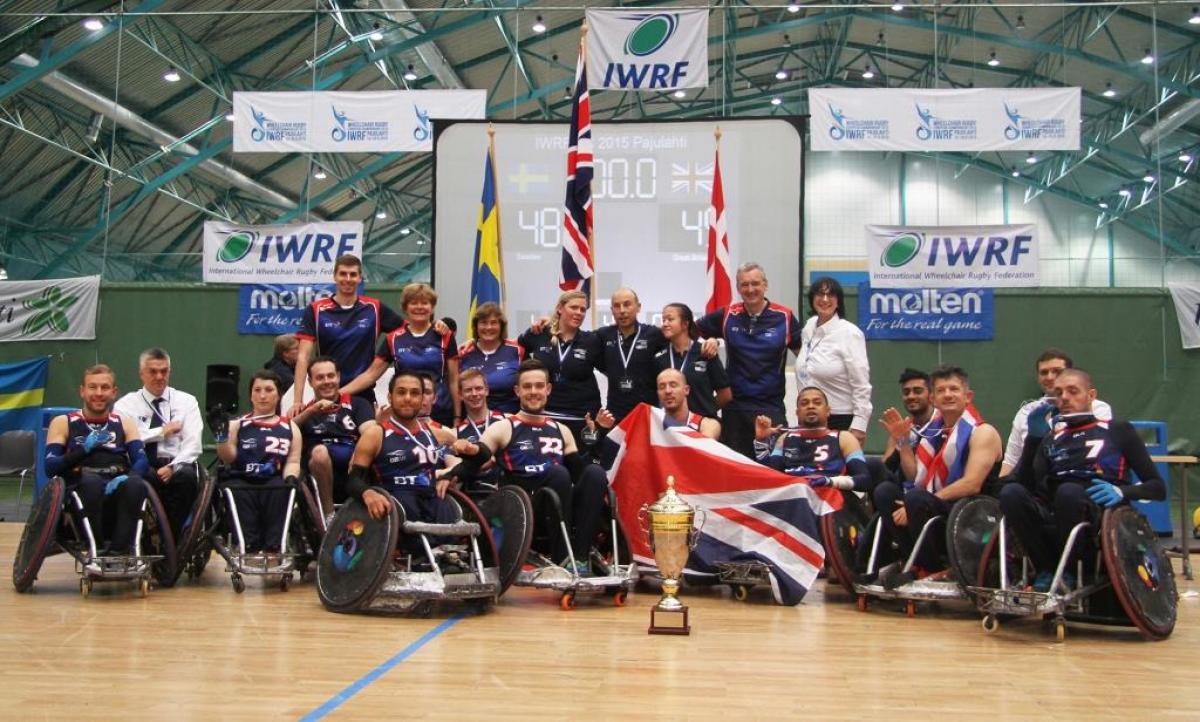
x: 651, y: 193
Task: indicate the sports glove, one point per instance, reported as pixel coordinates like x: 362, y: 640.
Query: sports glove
x: 114, y: 484
x: 1105, y: 494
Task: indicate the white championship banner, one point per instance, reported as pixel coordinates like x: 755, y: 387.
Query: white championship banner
x: 976, y: 119
x: 290, y: 253
x: 347, y: 121
x: 649, y: 51
x: 1187, y: 308
x: 59, y: 309
x: 953, y: 256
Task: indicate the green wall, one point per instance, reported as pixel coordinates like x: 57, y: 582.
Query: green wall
x: 1127, y: 338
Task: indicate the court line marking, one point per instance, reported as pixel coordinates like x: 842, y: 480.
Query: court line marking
x: 363, y: 682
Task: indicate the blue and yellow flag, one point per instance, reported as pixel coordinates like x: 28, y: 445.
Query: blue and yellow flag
x: 22, y: 388
x: 487, y: 275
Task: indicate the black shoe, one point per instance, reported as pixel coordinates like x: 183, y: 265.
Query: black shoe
x: 891, y: 576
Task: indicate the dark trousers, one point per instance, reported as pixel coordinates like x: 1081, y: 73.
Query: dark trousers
x: 1043, y: 529
x: 737, y: 428
x: 582, y: 504
x: 422, y: 505
x: 921, y: 506
x: 178, y: 495
x: 261, y: 512
x: 112, y: 517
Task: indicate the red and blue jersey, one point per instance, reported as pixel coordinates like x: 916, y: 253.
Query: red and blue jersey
x: 499, y: 369
x: 1086, y: 451
x: 533, y: 448
x: 407, y: 461
x: 347, y: 334
x: 806, y: 453
x: 111, y: 453
x: 756, y: 352
x: 262, y: 448
x: 427, y: 352
x: 340, y: 426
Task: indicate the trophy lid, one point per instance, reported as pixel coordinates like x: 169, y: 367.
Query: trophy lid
x: 669, y: 502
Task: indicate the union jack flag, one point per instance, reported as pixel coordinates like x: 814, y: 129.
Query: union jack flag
x: 942, y: 452
x: 577, y: 268
x: 752, y: 512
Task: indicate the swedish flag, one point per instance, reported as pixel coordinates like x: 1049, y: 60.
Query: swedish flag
x: 22, y: 389
x: 487, y: 275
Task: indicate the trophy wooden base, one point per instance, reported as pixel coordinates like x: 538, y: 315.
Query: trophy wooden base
x: 669, y: 621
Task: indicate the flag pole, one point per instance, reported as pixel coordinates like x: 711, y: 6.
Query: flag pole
x: 583, y: 31
x: 496, y: 203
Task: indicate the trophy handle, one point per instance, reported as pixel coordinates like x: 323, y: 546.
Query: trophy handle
x: 643, y: 517
x: 697, y: 524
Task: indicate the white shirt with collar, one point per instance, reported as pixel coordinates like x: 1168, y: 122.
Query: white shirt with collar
x: 181, y: 448
x: 833, y: 357
x: 1020, y: 428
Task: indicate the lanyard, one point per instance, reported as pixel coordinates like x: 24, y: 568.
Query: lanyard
x: 486, y: 423
x: 671, y: 356
x: 153, y: 409
x: 431, y: 447
x: 625, y: 357
x: 563, y: 351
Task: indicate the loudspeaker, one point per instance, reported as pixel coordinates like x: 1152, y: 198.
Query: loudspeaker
x: 221, y: 388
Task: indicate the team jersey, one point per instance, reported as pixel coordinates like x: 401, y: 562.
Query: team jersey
x: 628, y: 362
x: 499, y: 370
x: 533, y: 448
x: 756, y: 352
x: 111, y: 455
x: 692, y: 422
x: 428, y: 352
x: 572, y: 367
x: 1082, y: 451
x: 407, y: 461
x: 340, y: 426
x: 805, y: 453
x: 472, y: 431
x: 262, y: 448
x: 704, y: 376
x: 347, y: 334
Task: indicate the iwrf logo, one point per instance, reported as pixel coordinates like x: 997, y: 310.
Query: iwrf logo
x: 650, y: 35
x: 236, y: 246
x: 902, y: 249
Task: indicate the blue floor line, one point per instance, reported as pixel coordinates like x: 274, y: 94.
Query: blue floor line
x: 363, y: 682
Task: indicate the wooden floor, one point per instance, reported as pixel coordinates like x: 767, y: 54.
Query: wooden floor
x: 202, y: 652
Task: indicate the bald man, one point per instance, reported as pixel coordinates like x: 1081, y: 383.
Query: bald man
x: 673, y: 397
x: 628, y: 358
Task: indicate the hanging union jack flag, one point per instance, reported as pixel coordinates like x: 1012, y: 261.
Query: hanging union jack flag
x: 577, y: 268
x: 752, y: 512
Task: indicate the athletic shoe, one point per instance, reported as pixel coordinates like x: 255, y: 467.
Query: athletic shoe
x: 1041, y: 583
x: 892, y: 577
x: 579, y: 568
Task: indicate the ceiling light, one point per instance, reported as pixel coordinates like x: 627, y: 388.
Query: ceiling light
x: 1185, y: 157
x: 538, y: 25
x: 377, y: 34
x: 1015, y: 173
x: 405, y: 231
x: 172, y: 75
x: 868, y: 73
x: 93, y: 24
x: 1195, y: 18
x: 777, y: 100
x: 1031, y: 158
x: 1020, y: 22
x: 1148, y: 58
x: 1124, y: 192
x: 1109, y: 91
x: 1103, y: 206
x: 410, y: 74
x: 793, y: 7
x: 1148, y: 178
x: 320, y: 174
x: 230, y: 116
x: 897, y: 7
x: 781, y: 74
x: 381, y: 214
x: 420, y: 241
x: 679, y: 94
x: 993, y: 61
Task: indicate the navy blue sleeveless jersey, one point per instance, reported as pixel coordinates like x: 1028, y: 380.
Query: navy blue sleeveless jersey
x: 472, y: 430
x: 428, y: 352
x: 407, y: 461
x: 1084, y: 452
x: 632, y: 384
x: 704, y: 376
x: 756, y: 352
x: 499, y: 369
x: 692, y: 422
x: 112, y: 454
x: 340, y: 426
x: 347, y: 334
x: 805, y: 453
x: 575, y: 391
x: 262, y: 448
x: 533, y: 448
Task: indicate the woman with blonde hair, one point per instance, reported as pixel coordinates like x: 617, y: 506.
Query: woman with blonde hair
x: 572, y: 356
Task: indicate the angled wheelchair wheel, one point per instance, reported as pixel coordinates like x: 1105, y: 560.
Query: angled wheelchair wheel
x: 38, y: 537
x: 843, y: 532
x: 1140, y: 572
x: 310, y: 514
x: 356, y: 556
x: 471, y: 513
x: 509, y: 513
x: 970, y: 527
x: 195, y: 529
x: 157, y: 539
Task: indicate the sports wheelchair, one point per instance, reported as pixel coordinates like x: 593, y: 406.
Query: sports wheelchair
x: 401, y: 566
x: 1131, y: 584
x: 57, y: 523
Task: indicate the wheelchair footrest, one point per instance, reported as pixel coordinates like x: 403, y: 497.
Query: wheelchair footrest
x: 459, y: 528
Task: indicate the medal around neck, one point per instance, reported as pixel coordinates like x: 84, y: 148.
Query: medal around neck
x: 669, y: 525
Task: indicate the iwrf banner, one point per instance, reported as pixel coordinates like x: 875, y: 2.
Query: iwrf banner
x: 60, y: 309
x: 1187, y: 308
x: 290, y: 253
x: 22, y: 389
x: 647, y: 50
x: 347, y: 121
x: 975, y: 119
x: 953, y: 256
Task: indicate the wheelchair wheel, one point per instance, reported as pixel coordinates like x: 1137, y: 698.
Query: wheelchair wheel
x: 195, y: 529
x: 356, y: 556
x: 157, y: 539
x: 843, y: 532
x: 509, y: 513
x: 970, y: 526
x: 1139, y: 570
x: 38, y: 537
x: 471, y: 513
